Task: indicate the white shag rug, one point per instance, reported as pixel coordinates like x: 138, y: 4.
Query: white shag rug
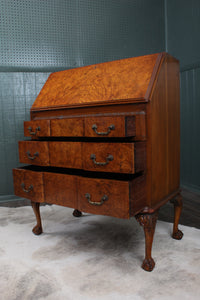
x: 93, y: 257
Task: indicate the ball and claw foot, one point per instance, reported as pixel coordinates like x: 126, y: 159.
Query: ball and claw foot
x: 148, y: 264
x: 177, y: 235
x: 148, y: 222
x: 37, y: 230
x: 77, y: 213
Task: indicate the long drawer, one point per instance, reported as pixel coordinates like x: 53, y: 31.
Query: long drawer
x: 118, y: 198
x: 98, y: 126
x: 101, y: 157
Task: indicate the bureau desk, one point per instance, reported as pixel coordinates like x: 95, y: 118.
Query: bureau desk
x: 104, y: 139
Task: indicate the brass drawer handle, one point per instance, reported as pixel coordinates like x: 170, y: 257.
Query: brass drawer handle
x: 104, y: 198
x: 111, y: 127
x: 108, y: 159
x: 32, y: 157
x: 30, y: 188
x: 33, y: 132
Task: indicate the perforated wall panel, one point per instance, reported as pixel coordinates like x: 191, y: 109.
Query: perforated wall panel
x: 59, y: 34
x: 17, y: 93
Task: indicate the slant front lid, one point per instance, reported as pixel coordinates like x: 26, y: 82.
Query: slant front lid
x: 106, y: 83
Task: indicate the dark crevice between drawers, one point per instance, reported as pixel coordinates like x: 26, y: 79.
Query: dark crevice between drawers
x: 77, y: 172
x: 85, y: 139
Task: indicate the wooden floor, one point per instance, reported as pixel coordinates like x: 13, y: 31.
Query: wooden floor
x: 190, y: 214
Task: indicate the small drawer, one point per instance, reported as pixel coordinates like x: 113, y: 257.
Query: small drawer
x: 39, y: 128
x: 60, y: 189
x: 114, y: 157
x: 33, y: 152
x: 67, y: 127
x: 118, y: 126
x: 28, y: 184
x: 104, y: 197
x: 65, y: 154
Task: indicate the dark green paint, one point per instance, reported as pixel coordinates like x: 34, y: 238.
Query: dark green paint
x: 183, y: 31
x: 59, y: 34
x: 17, y: 93
x: 183, y: 41
x: 190, y: 128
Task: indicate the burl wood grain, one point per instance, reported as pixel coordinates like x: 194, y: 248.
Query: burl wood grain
x: 123, y: 157
x: 65, y: 154
x: 36, y: 193
x: 67, y: 127
x: 39, y: 128
x: 121, y: 126
x: 106, y: 82
x: 117, y: 204
x: 29, y: 149
x: 60, y: 189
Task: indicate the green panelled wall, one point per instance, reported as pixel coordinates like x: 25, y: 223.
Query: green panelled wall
x: 44, y: 36
x: 183, y: 28
x: 17, y: 93
x: 183, y: 41
x: 190, y: 128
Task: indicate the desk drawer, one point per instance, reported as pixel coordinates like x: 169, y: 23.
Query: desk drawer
x: 102, y: 157
x: 39, y: 128
x: 120, y: 198
x: 100, y: 126
x: 114, y: 157
x: 116, y: 126
x: 28, y: 184
x: 33, y: 152
x: 104, y: 197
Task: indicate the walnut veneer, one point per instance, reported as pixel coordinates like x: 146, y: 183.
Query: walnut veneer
x: 105, y: 139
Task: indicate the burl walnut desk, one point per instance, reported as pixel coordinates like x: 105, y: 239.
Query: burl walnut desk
x: 105, y: 140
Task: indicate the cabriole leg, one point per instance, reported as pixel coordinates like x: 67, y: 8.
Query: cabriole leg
x: 178, y: 204
x: 77, y: 213
x: 148, y: 222
x: 36, y: 208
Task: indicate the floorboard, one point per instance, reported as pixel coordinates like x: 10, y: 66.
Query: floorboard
x: 190, y: 215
